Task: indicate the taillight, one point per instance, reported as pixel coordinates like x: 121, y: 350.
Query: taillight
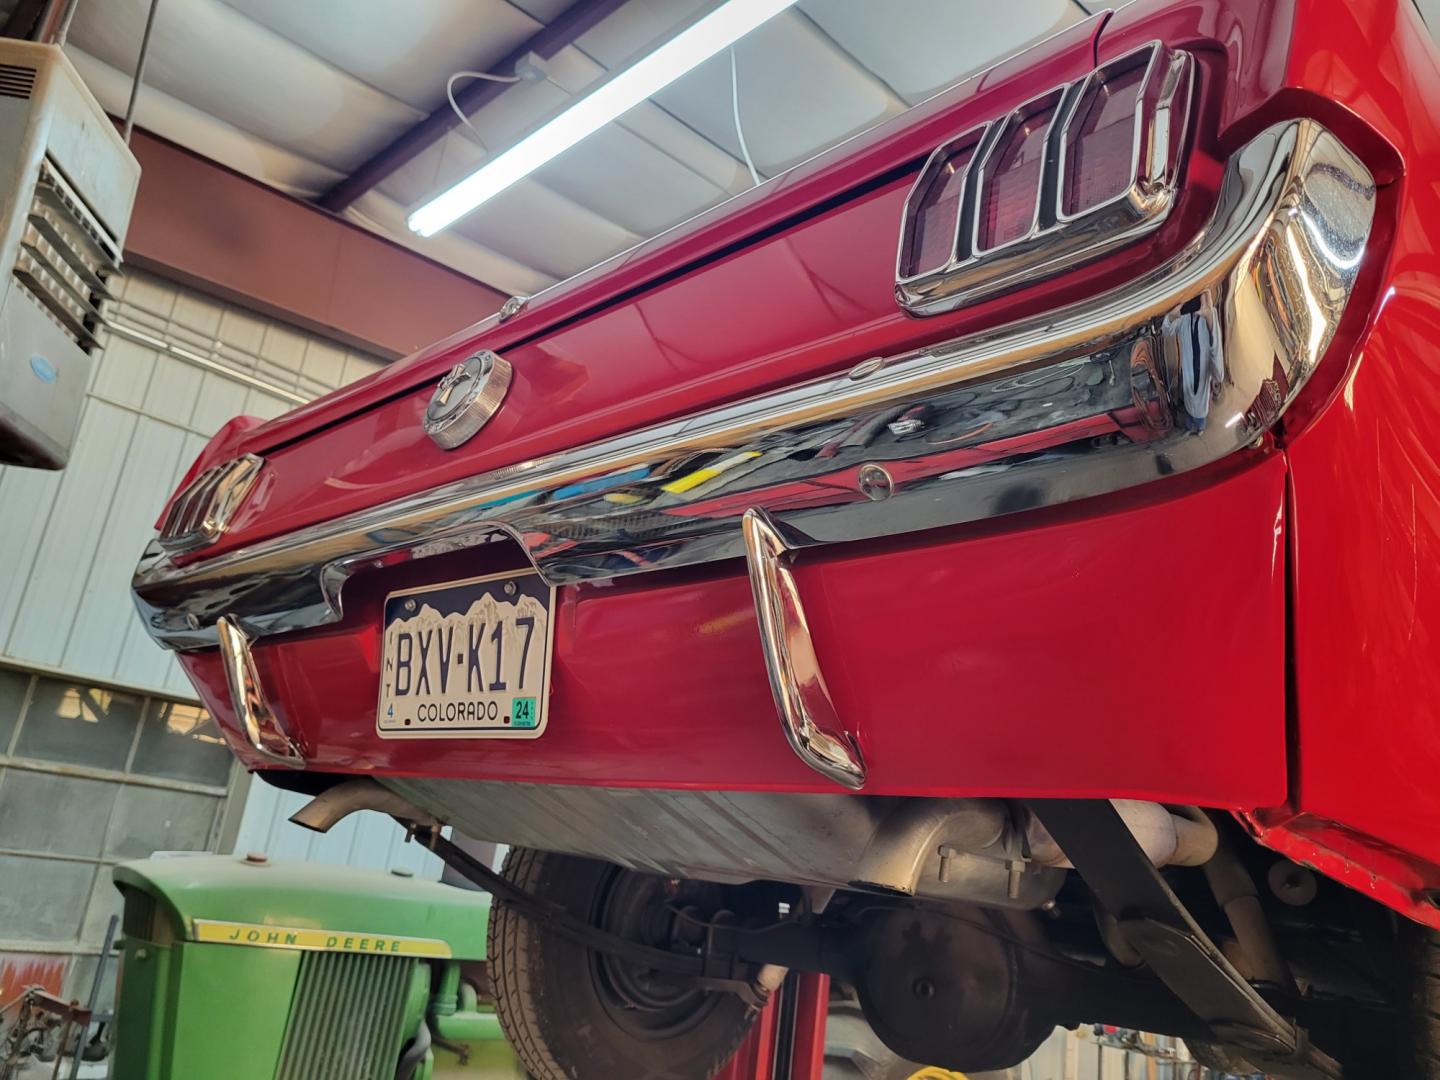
x: 1100, y: 139
x: 1011, y: 177
x: 1066, y: 177
x: 202, y: 510
x: 932, y: 235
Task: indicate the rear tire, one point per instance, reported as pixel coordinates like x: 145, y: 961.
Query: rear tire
x: 1419, y: 1018
x: 571, y: 1013
x: 1402, y: 1037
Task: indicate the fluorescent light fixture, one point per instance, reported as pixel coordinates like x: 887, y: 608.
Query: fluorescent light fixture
x: 691, y: 47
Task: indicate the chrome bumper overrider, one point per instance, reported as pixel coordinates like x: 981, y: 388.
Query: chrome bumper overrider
x: 1166, y: 373
x: 262, y: 726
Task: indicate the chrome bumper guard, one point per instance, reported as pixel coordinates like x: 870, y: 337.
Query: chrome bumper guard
x: 1167, y: 373
x: 801, y: 697
x: 252, y: 709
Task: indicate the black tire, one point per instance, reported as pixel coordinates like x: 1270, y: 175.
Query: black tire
x: 1399, y: 1040
x: 571, y: 1013
x: 1419, y: 1019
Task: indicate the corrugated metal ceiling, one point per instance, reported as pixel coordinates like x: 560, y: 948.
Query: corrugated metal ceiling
x: 298, y: 95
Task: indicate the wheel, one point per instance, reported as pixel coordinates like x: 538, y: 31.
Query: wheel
x: 572, y: 1013
x: 1400, y: 1038
x: 1418, y: 1002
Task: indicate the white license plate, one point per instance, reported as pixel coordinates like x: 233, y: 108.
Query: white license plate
x: 467, y: 660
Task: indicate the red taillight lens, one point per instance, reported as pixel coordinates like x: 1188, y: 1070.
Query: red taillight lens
x: 935, y: 210
x: 1100, y: 140
x: 1069, y: 175
x: 1010, y: 198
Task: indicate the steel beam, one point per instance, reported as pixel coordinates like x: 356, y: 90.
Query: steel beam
x: 203, y: 225
x: 545, y: 43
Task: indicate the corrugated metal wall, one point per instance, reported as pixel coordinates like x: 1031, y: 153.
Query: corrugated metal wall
x: 175, y: 367
x: 69, y: 540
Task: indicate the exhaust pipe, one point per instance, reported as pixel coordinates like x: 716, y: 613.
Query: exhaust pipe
x: 330, y: 807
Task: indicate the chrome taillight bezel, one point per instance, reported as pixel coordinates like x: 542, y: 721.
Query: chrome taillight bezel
x: 1056, y: 240
x: 201, y: 512
x: 1057, y: 102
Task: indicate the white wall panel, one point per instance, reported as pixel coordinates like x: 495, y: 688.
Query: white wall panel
x: 139, y: 659
x: 173, y: 388
x: 104, y: 610
x: 26, y: 496
x: 69, y: 540
x: 126, y: 375
x: 219, y: 398
x: 72, y: 534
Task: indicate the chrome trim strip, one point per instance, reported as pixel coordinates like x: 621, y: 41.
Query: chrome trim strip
x: 1056, y: 240
x: 262, y: 726
x: 801, y: 697
x: 1188, y: 363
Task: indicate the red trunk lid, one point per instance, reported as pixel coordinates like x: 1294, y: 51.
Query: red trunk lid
x: 791, y: 280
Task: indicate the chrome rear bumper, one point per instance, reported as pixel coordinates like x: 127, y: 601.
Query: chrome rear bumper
x: 1165, y: 374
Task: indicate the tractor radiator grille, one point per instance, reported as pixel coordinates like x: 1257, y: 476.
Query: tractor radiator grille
x: 345, y: 1020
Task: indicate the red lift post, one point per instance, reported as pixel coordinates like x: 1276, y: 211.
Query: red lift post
x: 788, y: 1041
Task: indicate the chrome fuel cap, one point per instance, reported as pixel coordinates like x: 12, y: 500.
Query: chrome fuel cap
x: 466, y: 398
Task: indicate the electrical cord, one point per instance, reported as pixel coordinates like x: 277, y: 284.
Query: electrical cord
x: 450, y: 95
x: 739, y: 128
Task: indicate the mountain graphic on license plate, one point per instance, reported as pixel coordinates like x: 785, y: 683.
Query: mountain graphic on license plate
x: 468, y: 659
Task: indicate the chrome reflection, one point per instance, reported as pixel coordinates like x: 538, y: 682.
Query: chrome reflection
x: 801, y: 697
x: 262, y: 726
x: 201, y: 513
x: 1167, y: 373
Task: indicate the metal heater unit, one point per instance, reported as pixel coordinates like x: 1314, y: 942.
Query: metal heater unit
x: 67, y: 185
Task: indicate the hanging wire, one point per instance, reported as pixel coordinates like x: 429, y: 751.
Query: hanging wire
x: 450, y: 94
x: 739, y: 128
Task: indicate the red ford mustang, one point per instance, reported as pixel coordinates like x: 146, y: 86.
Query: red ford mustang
x: 1039, y: 627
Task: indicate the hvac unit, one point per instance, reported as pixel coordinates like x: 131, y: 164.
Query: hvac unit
x: 67, y: 184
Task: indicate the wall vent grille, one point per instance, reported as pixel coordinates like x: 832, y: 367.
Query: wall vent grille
x: 65, y: 258
x: 16, y: 81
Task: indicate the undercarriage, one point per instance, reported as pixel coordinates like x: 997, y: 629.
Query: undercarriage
x: 968, y: 929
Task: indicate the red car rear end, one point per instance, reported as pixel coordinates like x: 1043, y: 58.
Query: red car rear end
x: 1118, y: 483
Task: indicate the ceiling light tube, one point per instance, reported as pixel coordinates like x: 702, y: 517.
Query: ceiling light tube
x: 715, y: 32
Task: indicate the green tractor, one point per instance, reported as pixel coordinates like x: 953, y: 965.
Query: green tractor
x: 239, y: 968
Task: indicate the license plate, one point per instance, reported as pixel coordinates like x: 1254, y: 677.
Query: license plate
x: 467, y: 660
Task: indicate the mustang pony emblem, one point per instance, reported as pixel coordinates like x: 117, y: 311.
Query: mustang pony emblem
x: 452, y: 379
x: 466, y: 397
